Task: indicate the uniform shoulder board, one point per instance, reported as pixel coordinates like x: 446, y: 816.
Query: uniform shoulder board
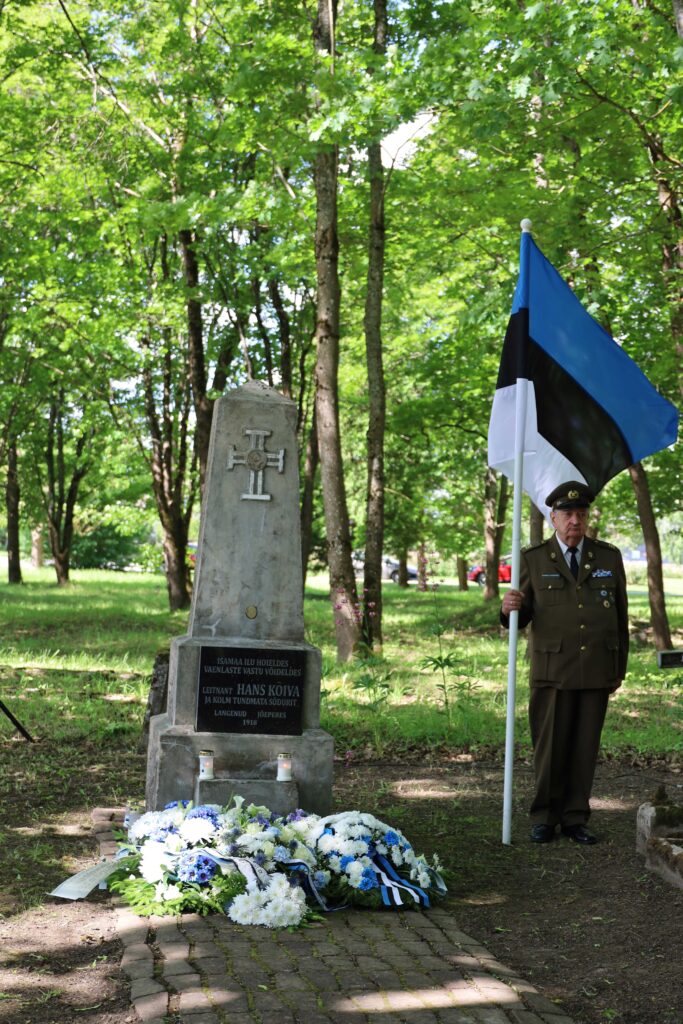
x: 532, y: 547
x: 603, y: 544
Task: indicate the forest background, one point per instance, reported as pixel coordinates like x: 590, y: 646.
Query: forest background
x: 325, y: 197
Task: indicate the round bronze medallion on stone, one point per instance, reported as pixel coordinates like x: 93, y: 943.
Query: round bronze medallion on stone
x: 256, y: 459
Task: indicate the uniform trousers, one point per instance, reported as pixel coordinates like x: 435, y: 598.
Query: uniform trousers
x: 565, y: 731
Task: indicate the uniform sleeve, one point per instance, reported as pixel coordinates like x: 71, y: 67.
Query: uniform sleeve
x: 526, y: 612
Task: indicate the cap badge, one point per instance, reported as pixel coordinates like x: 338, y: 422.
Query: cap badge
x: 572, y: 494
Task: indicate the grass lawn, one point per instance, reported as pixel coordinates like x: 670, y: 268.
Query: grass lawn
x: 75, y: 665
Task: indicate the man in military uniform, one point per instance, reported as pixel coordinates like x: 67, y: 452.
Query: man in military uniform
x: 573, y: 592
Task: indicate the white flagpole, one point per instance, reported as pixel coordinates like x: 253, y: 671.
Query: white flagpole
x: 522, y: 388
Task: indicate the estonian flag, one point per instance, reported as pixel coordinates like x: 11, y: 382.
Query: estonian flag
x: 590, y: 411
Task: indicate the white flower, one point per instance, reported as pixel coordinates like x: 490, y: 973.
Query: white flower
x: 148, y: 823
x: 355, y: 873
x: 163, y: 892
x: 155, y: 862
x: 246, y: 908
x: 197, y: 830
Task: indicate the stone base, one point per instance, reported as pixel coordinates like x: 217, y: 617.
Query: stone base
x: 660, y: 843
x: 279, y: 797
x: 247, y: 760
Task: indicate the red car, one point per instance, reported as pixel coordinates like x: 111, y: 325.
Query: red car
x: 478, y: 573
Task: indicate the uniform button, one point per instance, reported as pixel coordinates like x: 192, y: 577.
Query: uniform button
x: 583, y: 647
x: 579, y: 587
x: 580, y: 606
x: 582, y: 626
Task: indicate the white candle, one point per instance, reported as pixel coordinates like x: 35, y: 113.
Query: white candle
x: 284, y: 767
x: 206, y: 764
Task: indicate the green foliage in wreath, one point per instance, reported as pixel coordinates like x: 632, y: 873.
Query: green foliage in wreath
x: 145, y: 899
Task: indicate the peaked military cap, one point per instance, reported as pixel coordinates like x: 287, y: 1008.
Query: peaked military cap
x: 570, y: 495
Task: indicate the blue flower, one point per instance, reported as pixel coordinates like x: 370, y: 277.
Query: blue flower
x: 204, y: 812
x: 159, y: 835
x: 345, y: 861
x: 195, y: 867
x: 260, y: 858
x: 391, y: 838
x: 297, y: 815
x: 320, y: 879
x: 176, y: 803
x: 281, y: 853
x: 368, y: 880
x: 328, y: 831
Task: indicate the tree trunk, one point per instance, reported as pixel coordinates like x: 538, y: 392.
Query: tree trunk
x: 655, y: 578
x: 168, y: 431
x: 342, y: 580
x: 203, y: 405
x: 177, y: 572
x: 12, y: 496
x: 403, y: 569
x: 536, y: 524
x: 310, y: 467
x: 422, y: 568
x: 495, y: 509
x: 169, y: 392
x: 285, y: 332
x: 62, y: 488
x: 374, y: 502
x: 462, y: 573
x: 37, y: 555
x: 62, y: 560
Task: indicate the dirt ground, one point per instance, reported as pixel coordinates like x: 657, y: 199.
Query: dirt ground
x: 589, y: 927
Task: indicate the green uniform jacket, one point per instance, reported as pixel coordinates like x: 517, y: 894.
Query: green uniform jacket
x: 579, y: 628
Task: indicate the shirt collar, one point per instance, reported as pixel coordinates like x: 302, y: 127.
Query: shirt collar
x: 565, y: 547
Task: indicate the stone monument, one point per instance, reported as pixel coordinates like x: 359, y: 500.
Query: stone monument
x: 244, y: 686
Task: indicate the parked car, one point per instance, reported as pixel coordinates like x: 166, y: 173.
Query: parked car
x: 478, y: 573
x: 390, y: 566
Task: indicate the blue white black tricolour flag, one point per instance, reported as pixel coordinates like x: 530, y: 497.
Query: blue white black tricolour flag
x: 591, y: 412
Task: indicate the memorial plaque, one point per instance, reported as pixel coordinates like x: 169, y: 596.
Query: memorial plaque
x: 250, y: 690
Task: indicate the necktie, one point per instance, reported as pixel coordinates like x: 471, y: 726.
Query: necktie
x: 573, y: 563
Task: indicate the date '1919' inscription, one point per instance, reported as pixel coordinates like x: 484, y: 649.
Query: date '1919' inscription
x: 250, y: 690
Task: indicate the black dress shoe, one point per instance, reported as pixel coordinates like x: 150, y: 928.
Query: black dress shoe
x: 542, y: 833
x: 579, y: 834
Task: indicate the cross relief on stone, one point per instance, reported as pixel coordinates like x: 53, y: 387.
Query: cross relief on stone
x: 257, y: 460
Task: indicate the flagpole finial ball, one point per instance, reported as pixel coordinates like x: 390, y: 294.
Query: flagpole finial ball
x: 525, y: 224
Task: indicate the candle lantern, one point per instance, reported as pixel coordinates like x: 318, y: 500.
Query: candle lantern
x: 284, y: 767
x: 206, y: 764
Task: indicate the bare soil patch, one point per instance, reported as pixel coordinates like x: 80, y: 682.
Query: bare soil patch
x: 590, y: 927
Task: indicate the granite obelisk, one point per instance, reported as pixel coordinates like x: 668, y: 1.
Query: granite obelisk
x: 243, y: 683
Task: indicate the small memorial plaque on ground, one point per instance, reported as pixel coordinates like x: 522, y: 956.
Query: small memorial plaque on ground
x: 250, y: 690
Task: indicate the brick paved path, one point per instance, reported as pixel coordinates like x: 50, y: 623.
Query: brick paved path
x: 355, y: 967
